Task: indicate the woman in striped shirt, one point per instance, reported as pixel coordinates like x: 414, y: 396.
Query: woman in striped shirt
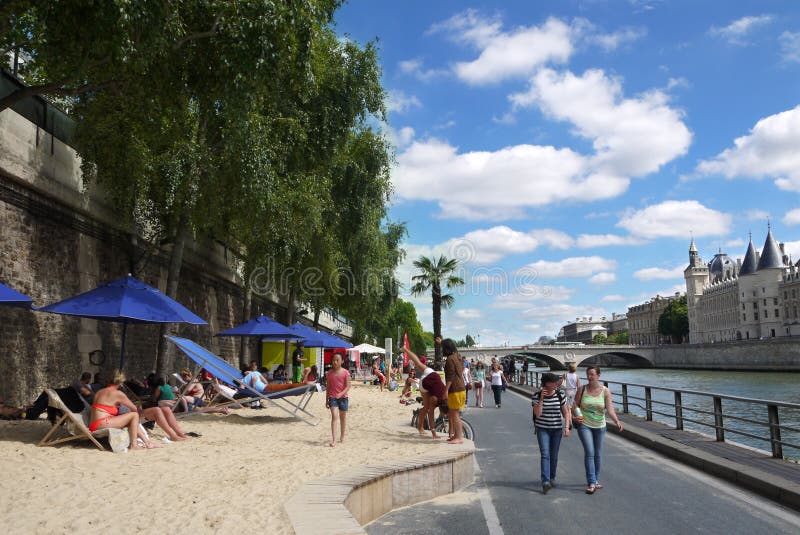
x: 551, y: 418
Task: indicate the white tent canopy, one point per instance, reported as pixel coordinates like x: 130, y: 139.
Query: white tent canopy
x: 367, y: 348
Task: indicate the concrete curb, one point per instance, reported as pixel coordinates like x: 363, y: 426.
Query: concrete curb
x: 751, y: 478
x: 342, y: 503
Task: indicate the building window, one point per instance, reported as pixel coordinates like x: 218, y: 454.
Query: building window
x: 794, y: 312
x: 772, y: 332
x: 763, y: 290
x: 785, y: 295
x: 793, y: 292
x: 744, y: 317
x: 755, y: 316
x: 743, y: 306
x: 777, y: 313
x: 755, y: 305
x: 774, y: 300
x: 765, y: 302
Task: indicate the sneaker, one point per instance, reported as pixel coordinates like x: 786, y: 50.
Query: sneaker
x: 546, y: 486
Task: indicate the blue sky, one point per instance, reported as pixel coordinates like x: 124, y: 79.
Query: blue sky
x: 568, y: 150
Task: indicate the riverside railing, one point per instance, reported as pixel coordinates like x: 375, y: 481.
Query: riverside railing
x: 744, y: 416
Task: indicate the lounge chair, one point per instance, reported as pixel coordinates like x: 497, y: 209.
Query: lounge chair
x: 77, y: 425
x: 275, y: 395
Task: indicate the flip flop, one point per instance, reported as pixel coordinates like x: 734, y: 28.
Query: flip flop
x: 193, y: 434
x: 591, y: 489
x: 598, y: 486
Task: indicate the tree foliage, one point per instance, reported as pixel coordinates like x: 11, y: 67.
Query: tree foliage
x: 674, y: 320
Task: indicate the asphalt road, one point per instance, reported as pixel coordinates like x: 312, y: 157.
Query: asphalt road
x: 644, y: 492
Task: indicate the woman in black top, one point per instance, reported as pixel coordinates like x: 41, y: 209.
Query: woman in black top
x: 551, y: 419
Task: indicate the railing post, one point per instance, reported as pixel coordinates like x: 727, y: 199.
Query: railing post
x: 678, y: 412
x: 625, y: 399
x: 775, y: 432
x: 537, y: 380
x: 718, y: 422
x: 648, y: 404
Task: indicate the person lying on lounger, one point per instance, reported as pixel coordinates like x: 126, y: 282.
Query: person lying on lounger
x: 310, y: 375
x: 255, y: 379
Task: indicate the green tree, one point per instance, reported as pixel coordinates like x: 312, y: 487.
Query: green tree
x: 436, y: 275
x: 470, y: 342
x: 428, y: 338
x: 619, y: 338
x: 600, y: 339
x: 674, y: 320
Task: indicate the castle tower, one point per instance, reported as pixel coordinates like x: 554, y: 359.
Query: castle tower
x: 696, y: 276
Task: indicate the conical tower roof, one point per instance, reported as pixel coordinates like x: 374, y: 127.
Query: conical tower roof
x: 692, y: 247
x: 771, y: 254
x: 750, y: 263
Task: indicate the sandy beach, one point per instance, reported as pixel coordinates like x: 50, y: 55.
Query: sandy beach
x: 234, y: 478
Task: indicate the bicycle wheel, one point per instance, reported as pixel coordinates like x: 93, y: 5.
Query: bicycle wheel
x: 469, y: 432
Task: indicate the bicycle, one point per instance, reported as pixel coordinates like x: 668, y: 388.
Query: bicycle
x: 442, y: 424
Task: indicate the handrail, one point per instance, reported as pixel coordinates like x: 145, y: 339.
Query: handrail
x: 772, y: 423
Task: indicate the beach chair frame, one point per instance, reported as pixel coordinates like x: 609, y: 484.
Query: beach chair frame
x: 227, y: 373
x: 67, y: 417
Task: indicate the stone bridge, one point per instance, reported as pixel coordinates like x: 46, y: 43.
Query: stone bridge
x: 557, y: 356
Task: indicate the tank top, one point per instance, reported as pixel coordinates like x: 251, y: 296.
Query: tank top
x: 336, y: 382
x: 572, y: 381
x: 594, y: 409
x: 166, y: 393
x: 497, y: 378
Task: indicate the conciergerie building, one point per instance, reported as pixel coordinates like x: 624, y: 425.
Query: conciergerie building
x: 754, y: 298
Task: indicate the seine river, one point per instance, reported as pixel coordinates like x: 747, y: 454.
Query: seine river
x: 759, y: 385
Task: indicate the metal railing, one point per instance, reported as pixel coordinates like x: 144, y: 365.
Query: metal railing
x: 712, y: 408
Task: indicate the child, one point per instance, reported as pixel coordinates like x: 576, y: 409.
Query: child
x: 338, y: 381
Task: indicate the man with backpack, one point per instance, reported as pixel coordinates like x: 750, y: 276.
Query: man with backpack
x: 551, y: 419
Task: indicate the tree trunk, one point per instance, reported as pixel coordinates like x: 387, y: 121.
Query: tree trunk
x: 244, y: 352
x: 436, y: 293
x: 317, y: 311
x: 289, y: 321
x: 165, y: 353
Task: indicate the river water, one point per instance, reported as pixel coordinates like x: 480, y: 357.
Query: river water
x: 759, y: 385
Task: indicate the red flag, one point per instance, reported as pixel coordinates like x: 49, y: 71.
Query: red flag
x: 405, y: 344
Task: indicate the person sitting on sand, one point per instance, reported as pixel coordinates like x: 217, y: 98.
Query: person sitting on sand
x: 310, y: 375
x: 336, y: 397
x: 194, y: 392
x: 164, y: 396
x: 376, y: 370
x: 433, y: 392
x: 411, y: 382
x: 279, y: 375
x: 106, y: 414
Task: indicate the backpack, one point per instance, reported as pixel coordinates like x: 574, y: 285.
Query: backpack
x: 561, y: 399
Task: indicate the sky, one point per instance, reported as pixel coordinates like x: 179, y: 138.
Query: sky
x: 566, y: 152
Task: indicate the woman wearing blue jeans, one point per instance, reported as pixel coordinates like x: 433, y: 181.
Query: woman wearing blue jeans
x: 594, y: 402
x: 551, y: 419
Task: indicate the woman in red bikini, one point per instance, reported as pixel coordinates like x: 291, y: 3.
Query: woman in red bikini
x: 105, y: 412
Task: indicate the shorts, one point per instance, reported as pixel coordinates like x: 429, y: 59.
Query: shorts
x: 478, y: 384
x: 339, y: 403
x: 457, y: 400
x: 434, y: 386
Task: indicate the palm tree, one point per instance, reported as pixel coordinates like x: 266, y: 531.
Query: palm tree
x: 433, y: 274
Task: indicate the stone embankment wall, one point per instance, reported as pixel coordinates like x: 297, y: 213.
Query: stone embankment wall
x: 758, y: 355
x: 58, y: 239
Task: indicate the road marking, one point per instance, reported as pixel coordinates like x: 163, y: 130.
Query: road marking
x: 489, y: 512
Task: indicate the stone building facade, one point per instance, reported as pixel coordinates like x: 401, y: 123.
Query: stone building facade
x: 59, y: 238
x: 750, y: 299
x: 643, y: 321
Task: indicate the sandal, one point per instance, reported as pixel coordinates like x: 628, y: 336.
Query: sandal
x: 598, y: 486
x: 590, y: 489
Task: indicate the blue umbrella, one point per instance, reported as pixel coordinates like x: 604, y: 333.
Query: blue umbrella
x: 125, y: 301
x: 318, y: 339
x: 13, y: 298
x: 261, y: 326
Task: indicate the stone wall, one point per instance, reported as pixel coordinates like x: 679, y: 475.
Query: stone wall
x: 758, y: 355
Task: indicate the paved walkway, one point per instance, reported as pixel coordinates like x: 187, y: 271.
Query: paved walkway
x: 645, y: 492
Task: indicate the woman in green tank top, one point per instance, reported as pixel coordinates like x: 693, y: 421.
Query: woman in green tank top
x: 592, y: 403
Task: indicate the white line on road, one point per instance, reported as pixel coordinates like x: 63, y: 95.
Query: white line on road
x: 489, y: 512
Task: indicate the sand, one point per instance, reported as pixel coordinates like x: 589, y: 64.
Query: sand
x: 234, y: 478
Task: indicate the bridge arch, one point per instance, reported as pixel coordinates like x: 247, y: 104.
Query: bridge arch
x: 553, y: 362
x: 632, y: 358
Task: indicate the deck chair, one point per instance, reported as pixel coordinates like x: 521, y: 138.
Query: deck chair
x: 279, y: 396
x: 77, y: 426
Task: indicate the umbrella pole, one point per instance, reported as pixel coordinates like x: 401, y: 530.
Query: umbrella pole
x: 122, y: 349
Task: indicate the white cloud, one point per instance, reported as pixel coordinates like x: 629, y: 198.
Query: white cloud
x: 555, y: 239
x: 792, y: 217
x: 738, y: 242
x: 445, y: 125
x: 792, y: 248
x: 562, y: 312
x: 503, y: 55
x: 737, y: 31
x: 655, y: 273
x: 507, y: 119
x: 602, y: 278
x: 415, y: 68
x: 486, y: 246
x: 581, y: 266
x: 631, y: 136
x: 768, y: 151
x: 756, y: 215
x: 468, y: 313
x: 612, y: 41
x: 525, y: 295
x: 612, y: 298
x: 790, y: 47
x: 681, y: 82
x: 402, y: 137
x: 587, y: 241
x: 676, y: 219
x: 399, y: 102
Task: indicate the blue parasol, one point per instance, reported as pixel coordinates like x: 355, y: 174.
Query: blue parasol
x: 13, y: 298
x: 261, y: 326
x: 126, y: 300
